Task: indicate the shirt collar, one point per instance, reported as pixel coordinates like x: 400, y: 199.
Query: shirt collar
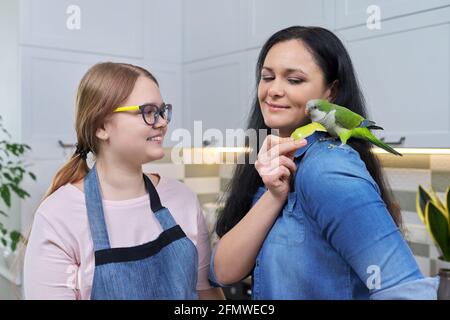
x: 311, y: 139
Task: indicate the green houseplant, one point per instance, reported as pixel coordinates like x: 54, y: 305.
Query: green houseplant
x: 435, y: 215
x: 12, y: 172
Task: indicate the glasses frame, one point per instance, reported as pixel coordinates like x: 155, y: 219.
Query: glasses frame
x: 159, y: 111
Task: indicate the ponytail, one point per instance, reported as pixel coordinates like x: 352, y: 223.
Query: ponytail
x: 72, y: 171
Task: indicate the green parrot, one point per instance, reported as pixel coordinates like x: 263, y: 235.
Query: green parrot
x: 344, y: 123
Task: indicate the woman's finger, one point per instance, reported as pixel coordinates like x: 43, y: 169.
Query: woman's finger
x: 277, y: 177
x: 286, y: 148
x: 281, y: 161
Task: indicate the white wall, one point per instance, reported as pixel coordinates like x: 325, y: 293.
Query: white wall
x: 9, y: 68
x: 9, y: 109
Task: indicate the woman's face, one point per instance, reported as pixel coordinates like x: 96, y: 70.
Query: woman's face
x: 289, y: 78
x: 129, y: 136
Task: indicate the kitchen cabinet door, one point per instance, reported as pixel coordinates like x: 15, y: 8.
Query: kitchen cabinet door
x: 163, y: 31
x: 404, y: 69
x: 357, y: 12
x: 112, y: 27
x: 213, y: 28
x: 252, y: 59
x: 216, y: 93
x: 267, y: 16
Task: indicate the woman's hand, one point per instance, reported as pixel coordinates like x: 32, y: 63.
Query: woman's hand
x: 275, y: 164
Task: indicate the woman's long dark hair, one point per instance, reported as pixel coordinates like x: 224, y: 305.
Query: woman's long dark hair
x: 334, y: 61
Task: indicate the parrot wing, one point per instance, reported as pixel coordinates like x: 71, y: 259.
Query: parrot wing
x: 370, y: 125
x: 347, y: 118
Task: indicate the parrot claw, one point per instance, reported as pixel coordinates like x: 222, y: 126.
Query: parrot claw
x: 343, y: 145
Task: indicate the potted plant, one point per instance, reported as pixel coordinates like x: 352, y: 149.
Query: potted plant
x: 12, y: 172
x: 435, y: 215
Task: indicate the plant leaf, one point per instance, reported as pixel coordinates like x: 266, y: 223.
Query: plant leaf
x: 8, y: 176
x: 6, y: 195
x: 447, y: 198
x: 436, y: 199
x: 20, y: 192
x: 32, y: 175
x: 15, y: 235
x: 447, y: 203
x: 438, y: 227
x: 422, y: 198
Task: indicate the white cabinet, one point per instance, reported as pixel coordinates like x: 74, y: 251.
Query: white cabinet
x: 163, y: 33
x: 404, y: 69
x: 252, y: 60
x: 101, y: 26
x: 213, y: 27
x: 268, y: 16
x: 216, y: 93
x: 149, y: 29
x: 357, y: 12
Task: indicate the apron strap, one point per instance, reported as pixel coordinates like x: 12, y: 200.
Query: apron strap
x: 95, y: 214
x: 155, y: 202
x: 161, y: 213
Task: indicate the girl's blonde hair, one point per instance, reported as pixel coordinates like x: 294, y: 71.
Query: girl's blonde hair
x: 102, y: 89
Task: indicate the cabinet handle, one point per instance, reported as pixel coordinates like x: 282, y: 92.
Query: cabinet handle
x: 66, y: 145
x: 399, y: 142
x: 209, y: 143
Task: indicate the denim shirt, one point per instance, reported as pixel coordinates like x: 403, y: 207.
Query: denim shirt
x: 335, y: 238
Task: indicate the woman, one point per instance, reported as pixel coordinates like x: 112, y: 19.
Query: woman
x: 112, y: 232
x: 314, y: 221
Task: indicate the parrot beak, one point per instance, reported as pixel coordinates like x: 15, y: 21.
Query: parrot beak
x: 307, y: 111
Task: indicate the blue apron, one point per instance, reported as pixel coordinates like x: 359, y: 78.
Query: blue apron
x: 165, y: 268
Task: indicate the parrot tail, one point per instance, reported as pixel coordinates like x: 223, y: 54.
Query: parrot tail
x: 365, y: 133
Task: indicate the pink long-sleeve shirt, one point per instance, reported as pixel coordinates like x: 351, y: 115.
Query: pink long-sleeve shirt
x: 59, y: 259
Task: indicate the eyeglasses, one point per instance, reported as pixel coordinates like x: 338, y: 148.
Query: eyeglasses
x: 150, y: 112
